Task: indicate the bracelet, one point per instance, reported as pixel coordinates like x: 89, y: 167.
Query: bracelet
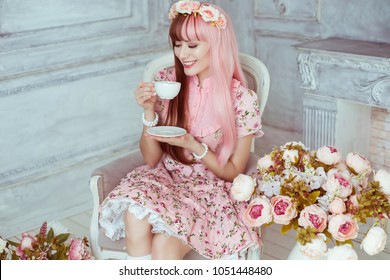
x: 148, y: 123
x: 199, y: 158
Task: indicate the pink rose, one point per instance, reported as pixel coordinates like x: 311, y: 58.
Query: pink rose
x: 183, y: 7
x: 358, y: 163
x: 221, y: 22
x: 338, y: 183
x: 283, y: 210
x: 328, y: 155
x: 258, y: 212
x: 195, y: 5
x: 343, y: 227
x: 243, y: 187
x: 26, y: 243
x: 313, y: 216
x: 337, y: 206
x: 209, y: 13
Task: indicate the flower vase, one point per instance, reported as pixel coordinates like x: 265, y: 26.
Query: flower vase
x: 296, y: 254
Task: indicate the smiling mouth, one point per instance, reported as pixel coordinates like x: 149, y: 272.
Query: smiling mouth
x: 189, y: 64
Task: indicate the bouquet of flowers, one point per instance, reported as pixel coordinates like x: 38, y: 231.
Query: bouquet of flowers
x: 321, y: 196
x: 46, y: 245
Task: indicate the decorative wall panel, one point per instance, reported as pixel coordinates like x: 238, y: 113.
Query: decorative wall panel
x: 290, y: 10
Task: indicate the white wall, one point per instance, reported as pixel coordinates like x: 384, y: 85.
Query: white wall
x: 67, y: 73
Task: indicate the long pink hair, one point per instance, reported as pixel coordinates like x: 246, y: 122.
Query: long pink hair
x: 224, y: 66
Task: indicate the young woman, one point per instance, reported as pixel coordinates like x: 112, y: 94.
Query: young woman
x: 180, y: 200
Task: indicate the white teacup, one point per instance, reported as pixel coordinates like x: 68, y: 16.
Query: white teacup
x: 167, y: 89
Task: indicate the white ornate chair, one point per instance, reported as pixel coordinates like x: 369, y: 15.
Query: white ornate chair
x: 107, y: 177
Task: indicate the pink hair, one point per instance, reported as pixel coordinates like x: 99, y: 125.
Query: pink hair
x: 224, y: 66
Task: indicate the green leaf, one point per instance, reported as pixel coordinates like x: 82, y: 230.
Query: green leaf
x: 286, y: 228
x: 312, y: 198
x: 62, y: 238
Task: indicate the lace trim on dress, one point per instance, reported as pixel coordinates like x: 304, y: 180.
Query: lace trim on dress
x: 112, y: 218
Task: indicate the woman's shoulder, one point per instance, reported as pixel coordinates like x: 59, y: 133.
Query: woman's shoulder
x: 165, y: 74
x: 241, y: 92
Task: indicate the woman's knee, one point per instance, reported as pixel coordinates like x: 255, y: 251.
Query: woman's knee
x: 166, y: 248
x: 135, y: 228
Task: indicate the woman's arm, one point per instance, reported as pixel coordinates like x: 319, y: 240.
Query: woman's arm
x: 150, y: 148
x: 234, y: 166
x: 146, y: 98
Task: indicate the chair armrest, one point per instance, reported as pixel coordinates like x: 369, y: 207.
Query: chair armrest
x: 111, y: 173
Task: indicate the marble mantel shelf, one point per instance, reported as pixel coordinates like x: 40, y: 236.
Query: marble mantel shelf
x: 346, y: 46
x: 362, y: 70
x: 342, y: 80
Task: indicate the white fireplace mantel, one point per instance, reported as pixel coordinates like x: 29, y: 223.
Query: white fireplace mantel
x: 342, y: 79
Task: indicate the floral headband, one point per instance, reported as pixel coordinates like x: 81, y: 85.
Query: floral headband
x: 207, y: 12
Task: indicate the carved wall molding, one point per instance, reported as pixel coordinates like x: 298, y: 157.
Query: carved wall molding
x: 375, y: 87
x: 288, y: 10
x: 308, y: 62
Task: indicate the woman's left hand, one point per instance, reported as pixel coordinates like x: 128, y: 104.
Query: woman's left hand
x: 184, y: 141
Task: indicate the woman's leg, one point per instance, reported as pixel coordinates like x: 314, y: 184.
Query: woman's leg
x: 138, y: 236
x: 168, y: 248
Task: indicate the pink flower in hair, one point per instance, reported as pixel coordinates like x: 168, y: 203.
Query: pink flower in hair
x: 184, y: 7
x: 221, y: 22
x: 209, y: 13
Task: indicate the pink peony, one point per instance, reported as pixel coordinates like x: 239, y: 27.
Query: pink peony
x: 258, y: 212
x: 328, y: 155
x: 343, y: 227
x: 26, y: 243
x: 338, y: 183
x: 358, y: 163
x: 282, y: 209
x: 337, y: 206
x: 313, y: 216
x: 77, y: 250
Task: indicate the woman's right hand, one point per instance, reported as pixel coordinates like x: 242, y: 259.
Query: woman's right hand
x: 145, y: 95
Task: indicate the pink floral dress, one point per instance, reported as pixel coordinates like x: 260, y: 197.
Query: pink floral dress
x: 188, y: 201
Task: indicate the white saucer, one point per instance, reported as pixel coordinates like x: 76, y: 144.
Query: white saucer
x: 166, y: 131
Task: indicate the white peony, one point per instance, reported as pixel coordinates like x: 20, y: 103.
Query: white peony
x: 375, y: 241
x: 342, y: 252
x: 383, y: 177
x: 243, y: 187
x: 316, y: 248
x: 3, y: 243
x: 265, y: 162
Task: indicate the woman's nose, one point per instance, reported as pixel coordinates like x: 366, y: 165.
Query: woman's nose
x: 183, y: 52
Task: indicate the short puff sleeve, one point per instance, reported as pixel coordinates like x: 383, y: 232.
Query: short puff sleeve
x: 246, y: 108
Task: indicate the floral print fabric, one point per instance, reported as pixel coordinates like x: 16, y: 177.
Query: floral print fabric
x: 188, y: 201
